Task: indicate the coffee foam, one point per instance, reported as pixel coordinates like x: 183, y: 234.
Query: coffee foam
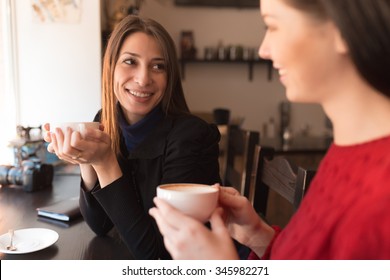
x: 193, y: 189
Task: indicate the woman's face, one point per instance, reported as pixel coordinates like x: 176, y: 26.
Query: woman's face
x: 140, y: 76
x: 302, y: 50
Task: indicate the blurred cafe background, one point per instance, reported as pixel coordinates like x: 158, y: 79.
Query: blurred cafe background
x: 51, y: 54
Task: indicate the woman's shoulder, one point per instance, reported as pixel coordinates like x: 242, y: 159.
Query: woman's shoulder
x: 188, y: 124
x: 189, y: 120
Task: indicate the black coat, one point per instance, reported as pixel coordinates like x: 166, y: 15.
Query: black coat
x: 182, y: 149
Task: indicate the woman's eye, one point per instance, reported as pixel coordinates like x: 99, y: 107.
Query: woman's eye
x: 129, y: 61
x: 270, y: 28
x: 159, y: 66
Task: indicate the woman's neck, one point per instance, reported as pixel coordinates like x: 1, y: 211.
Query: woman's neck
x: 358, y: 114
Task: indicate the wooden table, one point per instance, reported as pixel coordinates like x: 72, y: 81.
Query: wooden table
x: 76, y: 239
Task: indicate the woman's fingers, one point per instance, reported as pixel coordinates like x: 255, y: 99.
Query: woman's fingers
x: 59, y: 139
x: 216, y: 221
x: 231, y: 198
x: 61, y: 146
x: 67, y: 148
x: 46, y: 126
x: 165, y: 210
x: 229, y: 190
x: 165, y: 228
x: 88, y: 146
x: 54, y: 142
x: 171, y: 221
x: 47, y: 134
x: 95, y: 135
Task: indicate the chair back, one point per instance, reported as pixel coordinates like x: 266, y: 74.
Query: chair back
x: 278, y: 174
x: 239, y: 159
x: 223, y: 148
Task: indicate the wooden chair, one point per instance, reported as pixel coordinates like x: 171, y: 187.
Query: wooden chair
x: 223, y: 148
x: 279, y: 175
x: 239, y: 159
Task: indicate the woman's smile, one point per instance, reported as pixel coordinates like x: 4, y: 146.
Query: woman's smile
x: 141, y: 94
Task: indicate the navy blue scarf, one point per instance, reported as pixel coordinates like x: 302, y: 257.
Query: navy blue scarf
x: 136, y: 133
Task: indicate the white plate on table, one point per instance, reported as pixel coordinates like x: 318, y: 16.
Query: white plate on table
x: 28, y: 240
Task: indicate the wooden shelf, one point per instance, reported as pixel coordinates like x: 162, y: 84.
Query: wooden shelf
x: 251, y: 63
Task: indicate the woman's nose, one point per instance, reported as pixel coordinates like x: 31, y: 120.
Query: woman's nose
x: 142, y: 76
x: 264, y: 49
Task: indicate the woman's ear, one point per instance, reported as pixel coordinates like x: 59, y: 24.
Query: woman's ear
x: 340, y: 44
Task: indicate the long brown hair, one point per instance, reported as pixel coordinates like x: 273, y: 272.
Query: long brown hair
x: 173, y: 101
x: 365, y: 27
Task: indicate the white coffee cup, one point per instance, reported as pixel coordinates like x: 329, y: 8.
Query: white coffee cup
x: 195, y: 200
x: 75, y: 126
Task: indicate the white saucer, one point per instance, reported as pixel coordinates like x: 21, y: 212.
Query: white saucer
x: 28, y: 240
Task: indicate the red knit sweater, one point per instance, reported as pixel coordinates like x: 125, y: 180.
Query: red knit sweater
x: 346, y: 212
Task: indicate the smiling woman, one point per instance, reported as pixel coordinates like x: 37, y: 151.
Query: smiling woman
x: 334, y: 53
x: 147, y: 138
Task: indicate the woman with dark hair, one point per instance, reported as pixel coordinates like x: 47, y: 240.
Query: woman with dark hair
x: 334, y: 53
x: 148, y: 137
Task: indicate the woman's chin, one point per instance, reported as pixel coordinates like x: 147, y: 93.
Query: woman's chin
x: 291, y: 96
x: 296, y: 97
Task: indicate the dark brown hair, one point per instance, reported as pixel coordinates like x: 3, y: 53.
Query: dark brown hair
x: 173, y: 101
x: 365, y: 27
